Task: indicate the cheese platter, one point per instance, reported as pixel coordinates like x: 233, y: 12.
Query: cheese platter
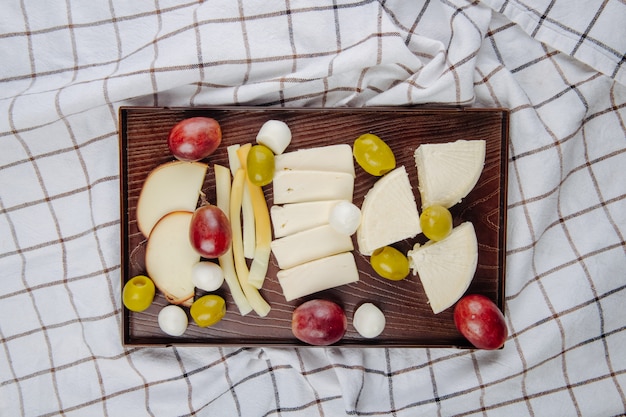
x: 410, y: 320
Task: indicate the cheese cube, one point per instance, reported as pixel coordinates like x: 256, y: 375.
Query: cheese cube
x: 318, y: 275
x: 301, y: 186
x: 309, y: 245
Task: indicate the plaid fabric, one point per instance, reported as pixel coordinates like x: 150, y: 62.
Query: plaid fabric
x: 68, y: 66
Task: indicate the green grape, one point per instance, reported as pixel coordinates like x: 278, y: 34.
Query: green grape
x: 436, y: 222
x: 390, y: 263
x: 208, y: 310
x: 260, y: 165
x: 373, y: 154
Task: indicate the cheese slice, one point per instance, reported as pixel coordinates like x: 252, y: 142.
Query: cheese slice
x: 447, y: 267
x: 172, y: 186
x: 301, y: 186
x: 309, y: 245
x: 296, y: 217
x: 334, y: 158
x: 447, y: 172
x: 318, y: 275
x: 389, y: 213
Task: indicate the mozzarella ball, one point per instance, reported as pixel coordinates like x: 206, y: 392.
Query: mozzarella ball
x: 345, y: 217
x: 207, y: 276
x: 173, y: 320
x: 368, y: 320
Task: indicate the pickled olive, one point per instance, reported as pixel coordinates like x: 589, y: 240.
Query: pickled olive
x: 208, y: 310
x: 138, y: 293
x: 373, y: 154
x: 390, y: 263
x: 261, y: 165
x: 436, y: 222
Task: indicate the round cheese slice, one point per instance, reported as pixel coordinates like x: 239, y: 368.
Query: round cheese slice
x: 447, y: 172
x: 446, y: 268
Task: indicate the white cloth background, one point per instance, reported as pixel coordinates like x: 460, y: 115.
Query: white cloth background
x: 66, y: 68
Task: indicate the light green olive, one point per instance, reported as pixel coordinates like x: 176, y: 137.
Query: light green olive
x: 138, y: 293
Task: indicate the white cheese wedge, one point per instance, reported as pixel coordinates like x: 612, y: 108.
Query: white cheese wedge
x: 296, y: 217
x: 172, y: 186
x: 446, y: 268
x: 447, y: 172
x: 334, y: 158
x: 389, y: 213
x: 301, y: 186
x: 318, y: 275
x: 309, y: 245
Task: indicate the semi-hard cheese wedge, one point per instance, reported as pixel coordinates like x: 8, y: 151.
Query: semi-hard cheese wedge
x: 334, y: 158
x: 309, y: 245
x: 446, y: 268
x: 296, y: 217
x: 318, y: 275
x: 447, y: 172
x: 300, y: 186
x: 389, y: 213
x: 172, y: 186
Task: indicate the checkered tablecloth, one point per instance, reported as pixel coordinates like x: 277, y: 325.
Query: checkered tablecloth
x: 67, y: 66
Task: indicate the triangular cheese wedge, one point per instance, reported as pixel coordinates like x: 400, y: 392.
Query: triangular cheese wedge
x: 388, y: 213
x: 446, y: 268
x: 447, y: 172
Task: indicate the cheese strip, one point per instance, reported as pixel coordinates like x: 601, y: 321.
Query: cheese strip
x: 318, y: 275
x: 296, y: 217
x: 308, y: 245
x: 302, y: 186
x: 335, y: 158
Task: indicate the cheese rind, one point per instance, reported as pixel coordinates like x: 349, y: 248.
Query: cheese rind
x: 389, y: 213
x: 309, y: 245
x: 334, y: 158
x: 302, y: 186
x: 296, y: 217
x: 318, y: 275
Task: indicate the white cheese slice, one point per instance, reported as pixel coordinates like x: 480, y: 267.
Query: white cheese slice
x: 296, y: 217
x: 309, y: 245
x: 318, y: 275
x: 447, y: 267
x: 388, y: 213
x: 300, y: 186
x: 335, y: 158
x: 447, y: 172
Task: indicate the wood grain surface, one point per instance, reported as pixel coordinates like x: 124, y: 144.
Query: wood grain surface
x: 410, y: 321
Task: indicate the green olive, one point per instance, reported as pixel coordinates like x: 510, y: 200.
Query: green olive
x: 390, y: 263
x: 208, y: 310
x: 373, y: 154
x: 436, y: 222
x: 260, y: 165
x: 138, y: 293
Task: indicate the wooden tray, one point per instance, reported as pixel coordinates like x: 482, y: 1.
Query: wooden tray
x: 410, y: 321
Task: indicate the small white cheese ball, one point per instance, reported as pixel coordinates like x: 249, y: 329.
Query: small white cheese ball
x: 207, y: 276
x: 345, y: 217
x: 173, y: 320
x: 368, y: 320
x: 274, y: 134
